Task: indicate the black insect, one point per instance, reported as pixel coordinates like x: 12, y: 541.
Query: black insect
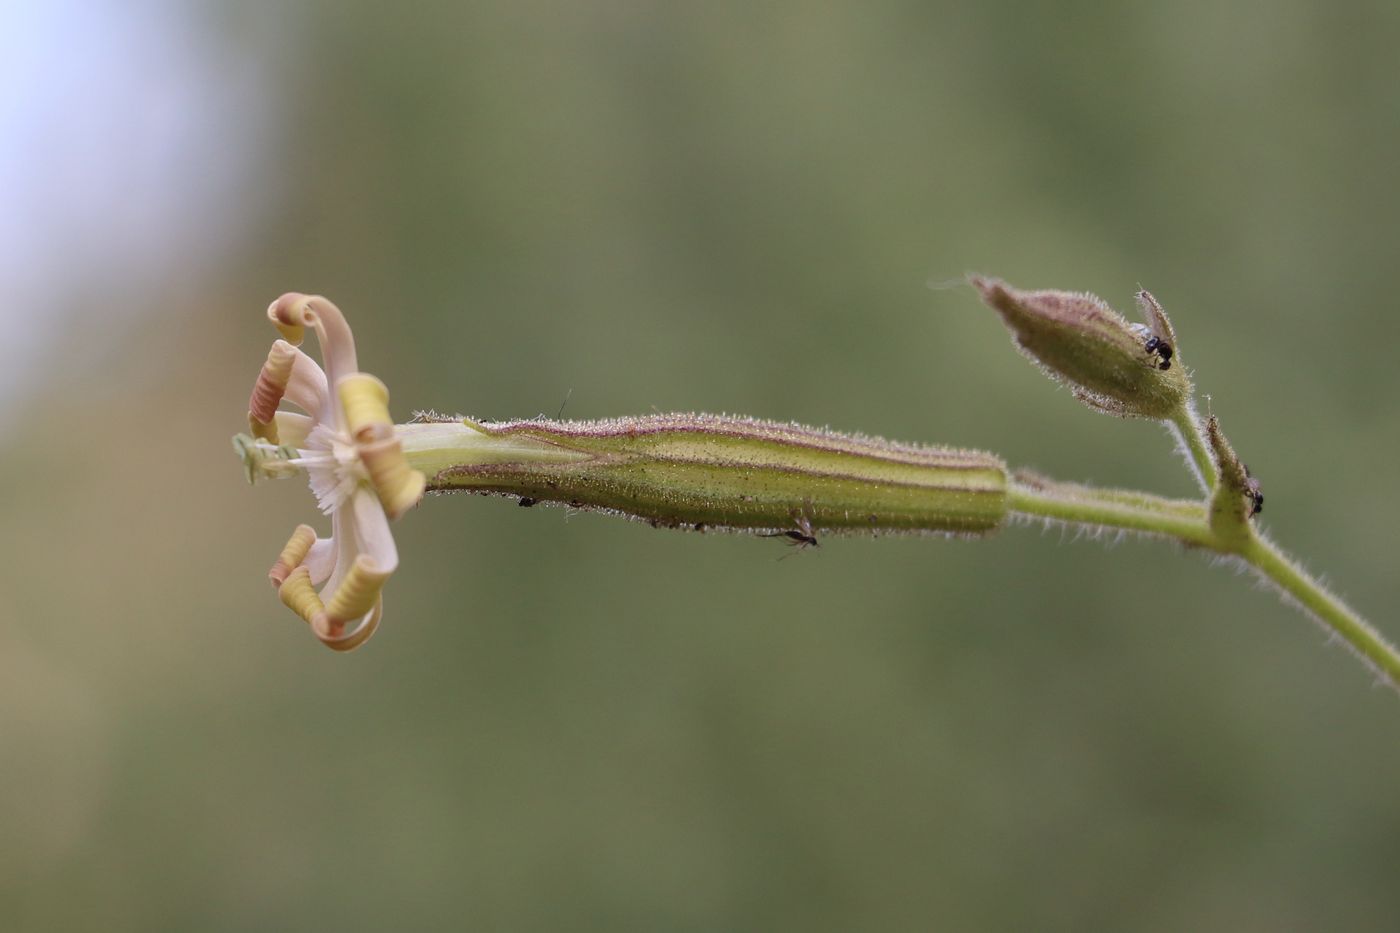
x: 794, y: 537
x: 1160, y: 349
x: 800, y: 537
x: 1252, y: 490
x: 525, y: 502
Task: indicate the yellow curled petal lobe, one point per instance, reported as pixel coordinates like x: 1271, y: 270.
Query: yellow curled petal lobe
x: 357, y: 593
x: 365, y: 401
x: 399, y: 488
x: 292, y: 555
x: 300, y: 596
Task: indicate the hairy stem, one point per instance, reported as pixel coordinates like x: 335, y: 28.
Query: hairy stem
x: 1185, y: 424
x: 721, y: 473
x: 1188, y: 522
x: 1089, y: 507
x: 1329, y: 611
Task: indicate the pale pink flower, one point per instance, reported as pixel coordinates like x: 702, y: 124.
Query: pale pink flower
x: 347, y: 445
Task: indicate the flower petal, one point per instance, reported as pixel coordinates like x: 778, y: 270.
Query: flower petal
x: 371, y: 533
x: 300, y: 596
x: 307, y: 388
x: 364, y: 400
x: 320, y: 560
x: 293, y: 429
x: 358, y: 592
x: 272, y: 380
x: 357, y: 636
x: 293, y: 555
x: 399, y: 487
x: 294, y: 312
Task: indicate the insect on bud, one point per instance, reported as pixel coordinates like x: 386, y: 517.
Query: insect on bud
x: 1111, y: 365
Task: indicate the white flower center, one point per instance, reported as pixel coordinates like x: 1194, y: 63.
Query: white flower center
x: 332, y: 466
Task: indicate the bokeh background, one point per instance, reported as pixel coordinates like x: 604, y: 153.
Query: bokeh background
x: 572, y: 722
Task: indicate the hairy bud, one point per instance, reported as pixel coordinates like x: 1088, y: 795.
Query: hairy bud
x: 1111, y: 365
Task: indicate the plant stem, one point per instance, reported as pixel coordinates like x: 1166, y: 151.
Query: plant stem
x: 1186, y: 425
x: 1329, y: 611
x: 1091, y: 508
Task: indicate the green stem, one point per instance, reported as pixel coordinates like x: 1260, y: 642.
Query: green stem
x: 1327, y: 609
x: 1110, y: 508
x: 1186, y: 425
x: 1188, y: 522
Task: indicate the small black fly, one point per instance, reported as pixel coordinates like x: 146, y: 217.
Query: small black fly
x: 800, y: 537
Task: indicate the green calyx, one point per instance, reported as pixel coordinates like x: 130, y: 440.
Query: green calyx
x: 1111, y: 365
x: 708, y: 472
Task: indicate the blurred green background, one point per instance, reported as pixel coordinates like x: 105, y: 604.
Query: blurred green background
x: 577, y: 723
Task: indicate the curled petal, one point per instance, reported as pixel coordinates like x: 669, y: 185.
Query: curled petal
x: 293, y: 429
x: 399, y: 487
x: 290, y: 374
x: 263, y: 432
x: 294, y: 312
x: 320, y: 560
x: 306, y: 388
x: 358, y: 592
x: 272, y: 381
x: 293, y: 555
x: 365, y: 402
x: 288, y: 325
x: 337, y: 639
x: 300, y: 596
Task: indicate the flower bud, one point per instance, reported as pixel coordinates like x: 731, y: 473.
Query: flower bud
x: 1109, y: 364
x: 1237, y: 497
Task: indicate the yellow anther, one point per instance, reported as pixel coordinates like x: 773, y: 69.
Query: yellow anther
x: 365, y: 401
x: 300, y: 596
x: 357, y: 593
x: 399, y: 488
x: 287, y: 314
x: 292, y: 555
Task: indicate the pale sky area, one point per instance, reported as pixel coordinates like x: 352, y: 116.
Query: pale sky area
x: 127, y: 140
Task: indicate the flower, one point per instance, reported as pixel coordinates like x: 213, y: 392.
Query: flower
x: 348, y: 447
